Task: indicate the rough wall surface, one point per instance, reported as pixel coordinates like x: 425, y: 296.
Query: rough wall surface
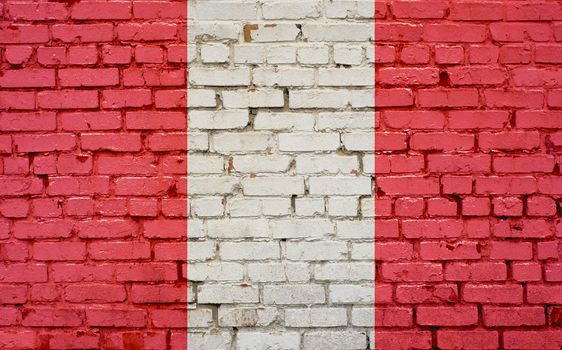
x: 281, y: 165
x: 468, y: 178
x: 93, y: 165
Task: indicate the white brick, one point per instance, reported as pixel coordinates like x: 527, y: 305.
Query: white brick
x: 200, y: 251
x: 327, y: 98
x: 358, y: 229
x: 338, y: 32
x: 261, y: 164
x: 279, y: 272
x: 362, y: 251
x: 205, y: 31
x: 249, y: 250
x: 207, y: 207
x: 197, y: 229
x: 281, y: 54
x: 219, y: 76
x: 242, y: 207
x: 202, y: 164
x: 227, y: 294
x: 238, y: 228
x: 214, y: 53
x: 316, y: 251
x: 350, y: 9
x: 340, y: 185
x: 201, y: 98
x: 215, y: 271
x: 342, y: 206
x: 317, y: 317
x: 328, y: 164
x: 251, y: 340
x: 335, y: 340
x: 291, y: 9
x: 216, y: 340
x: 200, y: 318
x: 276, y: 206
x: 306, y: 142
x: 362, y: 98
x: 283, y: 77
x: 229, y: 316
x: 368, y: 207
x: 359, y: 141
x: 369, y: 164
x: 212, y: 185
x: 191, y: 53
x: 273, y: 32
x: 284, y: 121
x: 363, y: 317
x: 348, y: 54
x: 352, y: 293
x: 346, y: 77
x: 197, y: 141
x: 370, y: 52
x: 346, y: 121
x: 294, y: 294
x: 342, y: 271
x: 249, y: 54
x: 226, y: 10
x: 313, y: 54
x: 241, y: 142
x: 253, y: 98
x: 273, y: 186
x: 309, y: 206
x: 281, y: 171
x: 223, y: 119
x: 301, y: 228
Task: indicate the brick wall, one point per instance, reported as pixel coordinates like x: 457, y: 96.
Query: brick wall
x: 281, y: 140
x: 92, y: 186
x: 468, y: 174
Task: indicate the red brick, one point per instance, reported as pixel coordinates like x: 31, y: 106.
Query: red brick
x: 493, y: 293
x: 477, y: 11
x: 467, y: 339
x: 36, y: 12
x: 146, y: 31
x: 95, y: 293
x: 27, y: 78
x: 119, y: 250
x: 412, y: 272
x: 59, y: 251
x: 429, y: 120
x: 393, y: 317
x: 447, y: 316
x: 519, y: 32
x: 112, y: 317
x: 101, y: 10
x: 470, y: 33
x: 402, y: 339
x: 24, y: 34
x: 68, y: 99
x: 86, y: 33
x: 448, y: 98
x: 51, y: 317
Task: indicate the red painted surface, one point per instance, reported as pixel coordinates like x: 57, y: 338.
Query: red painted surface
x: 93, y: 175
x: 469, y: 146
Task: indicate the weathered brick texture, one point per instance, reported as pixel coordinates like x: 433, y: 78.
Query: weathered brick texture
x: 281, y: 166
x: 93, y: 174
x: 468, y: 182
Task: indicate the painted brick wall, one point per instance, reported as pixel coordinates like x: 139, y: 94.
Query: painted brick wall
x: 468, y: 148
x: 93, y: 163
x: 281, y: 165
